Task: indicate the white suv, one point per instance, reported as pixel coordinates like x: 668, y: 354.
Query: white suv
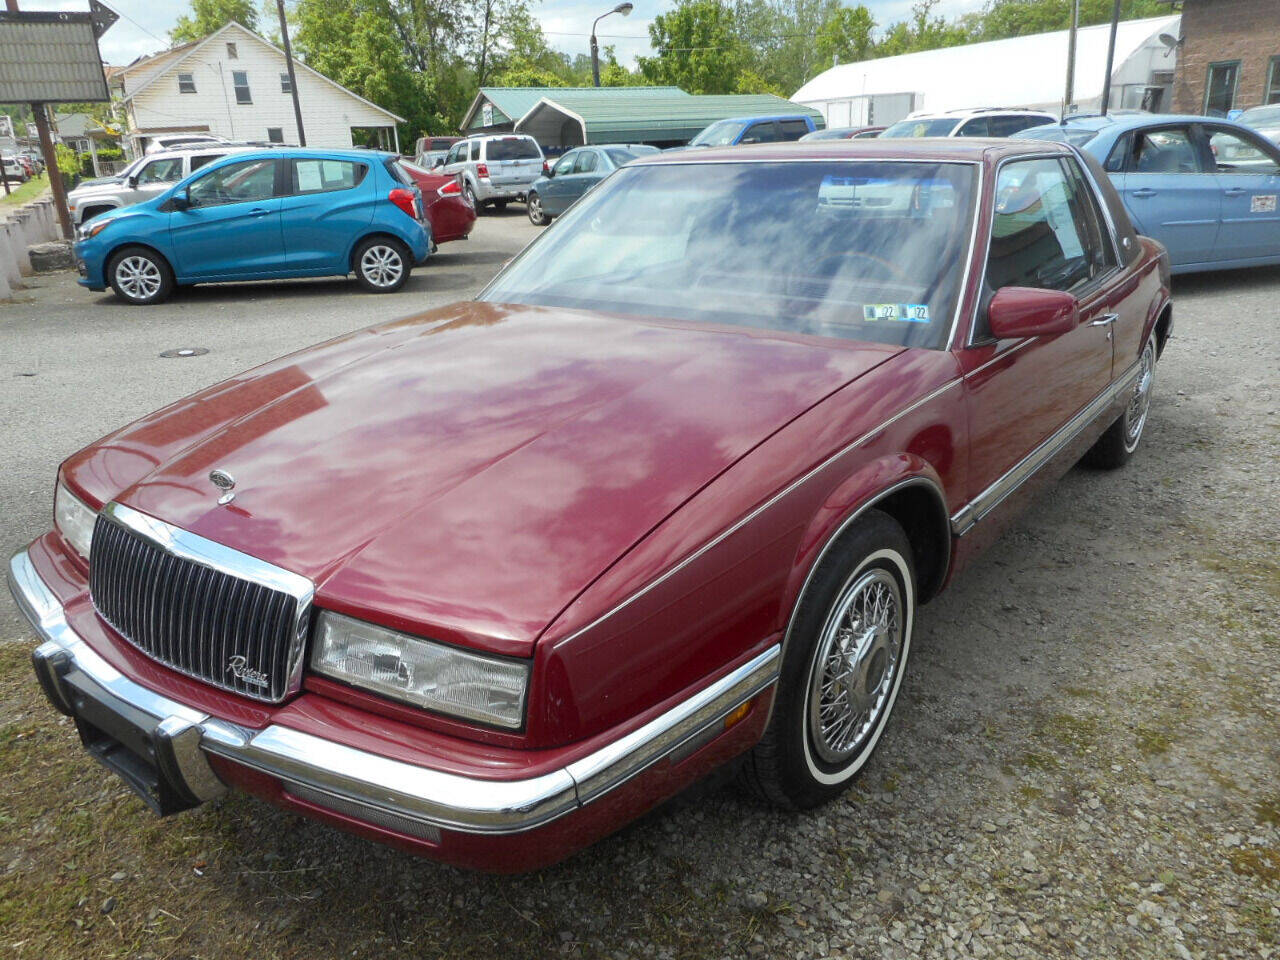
x: 495, y: 168
x: 983, y: 122
x: 143, y: 179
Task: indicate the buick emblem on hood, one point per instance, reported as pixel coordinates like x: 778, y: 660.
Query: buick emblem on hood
x: 224, y: 482
x: 239, y: 668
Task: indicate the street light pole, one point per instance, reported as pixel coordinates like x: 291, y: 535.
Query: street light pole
x: 622, y: 8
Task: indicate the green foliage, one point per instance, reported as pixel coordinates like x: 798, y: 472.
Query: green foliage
x: 922, y: 31
x: 1017, y: 18
x: 698, y: 48
x: 844, y: 36
x: 209, y: 15
x: 105, y: 154
x: 68, y: 164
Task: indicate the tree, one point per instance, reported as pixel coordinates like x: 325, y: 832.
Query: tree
x: 844, y: 36
x: 1018, y: 18
x: 922, y: 31
x: 209, y: 15
x: 697, y: 48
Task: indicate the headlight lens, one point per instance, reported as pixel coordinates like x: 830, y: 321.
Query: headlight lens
x: 74, y: 520
x: 93, y: 227
x: 421, y: 672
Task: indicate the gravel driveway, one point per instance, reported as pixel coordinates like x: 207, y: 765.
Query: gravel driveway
x: 1085, y: 760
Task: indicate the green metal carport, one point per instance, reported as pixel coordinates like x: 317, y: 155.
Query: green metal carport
x: 496, y: 109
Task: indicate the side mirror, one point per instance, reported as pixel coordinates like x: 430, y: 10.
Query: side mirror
x: 133, y: 182
x: 180, y: 200
x: 1029, y: 312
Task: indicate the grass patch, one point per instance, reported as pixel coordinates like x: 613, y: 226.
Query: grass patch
x: 1260, y: 862
x: 27, y: 191
x: 1074, y: 732
x: 1152, y: 741
x: 1268, y: 810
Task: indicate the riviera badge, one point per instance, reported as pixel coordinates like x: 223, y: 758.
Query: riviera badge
x: 224, y: 482
x: 239, y: 668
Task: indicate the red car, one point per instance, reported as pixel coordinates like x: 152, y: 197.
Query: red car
x: 488, y: 582
x: 451, y: 215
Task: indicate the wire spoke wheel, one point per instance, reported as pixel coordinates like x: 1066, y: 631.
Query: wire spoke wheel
x: 139, y: 277
x: 1135, y: 414
x: 855, y: 666
x: 382, y: 265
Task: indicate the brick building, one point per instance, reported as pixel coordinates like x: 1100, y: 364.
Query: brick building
x: 1229, y: 57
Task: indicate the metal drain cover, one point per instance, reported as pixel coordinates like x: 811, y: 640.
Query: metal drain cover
x: 183, y: 352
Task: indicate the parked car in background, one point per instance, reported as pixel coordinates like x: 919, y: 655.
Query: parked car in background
x: 576, y: 172
x: 844, y: 133
x: 735, y: 130
x: 149, y: 176
x: 489, y: 582
x: 495, y: 169
x: 27, y: 164
x: 1265, y: 120
x: 262, y: 215
x: 14, y: 171
x: 431, y: 151
x: 984, y: 122
x: 169, y: 141
x: 1206, y: 188
x: 36, y: 160
x: 449, y: 211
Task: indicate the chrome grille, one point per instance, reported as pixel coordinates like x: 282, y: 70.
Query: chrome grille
x: 199, y: 607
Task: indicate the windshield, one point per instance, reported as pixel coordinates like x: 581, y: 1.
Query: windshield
x: 862, y: 250
x: 921, y: 128
x: 1268, y: 115
x: 719, y: 134
x: 512, y: 148
x: 1072, y: 135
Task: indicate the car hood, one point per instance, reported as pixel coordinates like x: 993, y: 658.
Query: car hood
x: 467, y: 472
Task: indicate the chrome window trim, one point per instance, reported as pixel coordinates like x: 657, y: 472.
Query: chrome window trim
x: 995, y: 494
x: 186, y: 545
x: 446, y: 800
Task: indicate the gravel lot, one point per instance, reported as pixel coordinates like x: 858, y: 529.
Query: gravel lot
x: 1085, y: 760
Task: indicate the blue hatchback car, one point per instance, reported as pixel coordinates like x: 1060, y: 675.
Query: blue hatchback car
x: 1206, y: 188
x: 265, y: 215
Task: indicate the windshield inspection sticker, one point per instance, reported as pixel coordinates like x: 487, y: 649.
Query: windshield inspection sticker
x: 907, y: 312
x: 1263, y: 203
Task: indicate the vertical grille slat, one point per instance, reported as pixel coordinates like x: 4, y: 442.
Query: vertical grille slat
x: 193, y: 617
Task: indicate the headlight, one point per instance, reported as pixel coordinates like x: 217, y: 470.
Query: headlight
x: 74, y: 520
x: 93, y: 228
x: 420, y: 672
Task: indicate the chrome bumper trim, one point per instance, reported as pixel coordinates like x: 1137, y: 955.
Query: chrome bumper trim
x: 359, y: 777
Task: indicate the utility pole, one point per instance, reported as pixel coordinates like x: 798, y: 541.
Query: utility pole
x: 293, y: 80
x: 1111, y: 55
x: 50, y: 156
x: 1069, y: 98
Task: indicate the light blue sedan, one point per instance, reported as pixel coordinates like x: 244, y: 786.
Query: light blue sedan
x: 574, y: 174
x: 1205, y: 188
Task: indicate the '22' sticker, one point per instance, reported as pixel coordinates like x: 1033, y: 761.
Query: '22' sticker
x: 906, y: 312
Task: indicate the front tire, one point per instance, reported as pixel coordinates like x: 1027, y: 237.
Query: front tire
x: 381, y: 264
x: 1120, y: 442
x: 537, y: 216
x: 843, y: 662
x: 140, y: 276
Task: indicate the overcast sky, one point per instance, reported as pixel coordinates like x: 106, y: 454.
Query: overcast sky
x: 144, y: 24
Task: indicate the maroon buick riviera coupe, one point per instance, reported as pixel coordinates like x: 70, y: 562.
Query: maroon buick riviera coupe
x: 488, y: 582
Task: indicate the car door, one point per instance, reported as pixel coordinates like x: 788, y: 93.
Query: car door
x: 762, y: 131
x: 794, y: 129
x: 456, y: 158
x: 1248, y: 176
x: 1170, y: 194
x: 1045, y: 234
x: 328, y: 202
x: 559, y: 188
x: 231, y: 227
x: 588, y: 169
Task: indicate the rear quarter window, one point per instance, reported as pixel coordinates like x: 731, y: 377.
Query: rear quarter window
x: 514, y: 148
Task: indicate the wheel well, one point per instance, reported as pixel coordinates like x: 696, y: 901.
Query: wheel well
x: 106, y: 261
x: 95, y: 211
x: 923, y: 516
x: 377, y: 235
x: 1163, y: 327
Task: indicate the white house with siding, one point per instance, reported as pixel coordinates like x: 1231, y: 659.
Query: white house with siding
x: 235, y: 84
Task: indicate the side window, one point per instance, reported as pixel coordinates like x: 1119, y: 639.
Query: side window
x: 792, y: 129
x: 186, y: 83
x: 161, y: 171
x: 235, y: 183
x: 1235, y: 153
x: 586, y: 162
x: 1119, y: 154
x: 325, y: 176
x: 1008, y: 126
x: 455, y: 153
x: 240, y: 80
x: 200, y: 159
x: 1168, y: 150
x: 977, y: 127
x: 565, y: 164
x: 1091, y: 219
x: 1040, y: 234
x: 762, y: 132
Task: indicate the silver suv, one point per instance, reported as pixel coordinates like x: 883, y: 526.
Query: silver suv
x: 143, y: 179
x: 496, y: 168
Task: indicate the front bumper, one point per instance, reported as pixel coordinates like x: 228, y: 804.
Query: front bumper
x: 172, y: 751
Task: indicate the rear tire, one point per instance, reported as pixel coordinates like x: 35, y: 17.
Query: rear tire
x: 500, y: 204
x: 537, y: 216
x: 843, y: 662
x: 140, y: 276
x: 381, y: 264
x: 1120, y: 442
x: 470, y: 194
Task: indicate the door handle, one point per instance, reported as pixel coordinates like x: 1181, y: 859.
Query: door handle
x: 1233, y: 192
x: 258, y: 212
x: 1143, y: 192
x: 1105, y: 320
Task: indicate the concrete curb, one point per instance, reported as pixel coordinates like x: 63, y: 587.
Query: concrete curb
x: 21, y: 227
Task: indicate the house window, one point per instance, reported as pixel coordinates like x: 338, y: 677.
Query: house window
x: 186, y: 83
x: 285, y: 85
x: 275, y: 134
x: 241, y: 81
x: 231, y: 52
x: 1220, y: 88
x: 1272, y: 93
